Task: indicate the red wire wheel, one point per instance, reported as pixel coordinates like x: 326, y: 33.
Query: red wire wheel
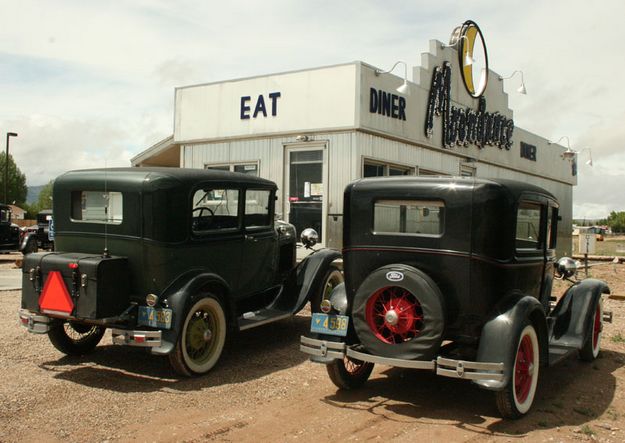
x: 597, y: 327
x: 394, y: 315
x: 524, y: 369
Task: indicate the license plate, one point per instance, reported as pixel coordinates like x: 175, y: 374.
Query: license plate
x: 329, y: 324
x: 156, y: 318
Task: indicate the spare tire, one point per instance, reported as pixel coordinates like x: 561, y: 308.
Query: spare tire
x: 398, y: 312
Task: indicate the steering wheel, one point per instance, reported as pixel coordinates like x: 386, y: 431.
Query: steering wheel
x: 202, y: 224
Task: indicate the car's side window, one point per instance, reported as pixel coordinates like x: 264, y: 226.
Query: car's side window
x: 552, y: 226
x: 257, y: 208
x: 528, y: 226
x: 215, y: 209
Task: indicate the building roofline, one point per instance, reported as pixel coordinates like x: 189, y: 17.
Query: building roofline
x: 156, y: 148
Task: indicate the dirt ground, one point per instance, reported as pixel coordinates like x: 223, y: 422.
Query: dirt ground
x: 264, y: 389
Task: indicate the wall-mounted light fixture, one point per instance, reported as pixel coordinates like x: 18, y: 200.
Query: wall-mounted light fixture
x: 468, y: 60
x: 404, y: 88
x: 521, y: 89
x: 570, y: 154
x: 302, y: 138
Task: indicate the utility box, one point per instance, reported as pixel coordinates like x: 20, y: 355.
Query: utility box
x: 587, y: 243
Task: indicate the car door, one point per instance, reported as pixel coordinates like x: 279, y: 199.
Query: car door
x: 260, y: 248
x: 551, y: 230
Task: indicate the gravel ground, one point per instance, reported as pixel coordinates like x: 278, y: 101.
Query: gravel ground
x: 265, y: 389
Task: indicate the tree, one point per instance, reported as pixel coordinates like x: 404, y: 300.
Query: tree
x: 45, y: 197
x: 616, y: 221
x: 16, y: 186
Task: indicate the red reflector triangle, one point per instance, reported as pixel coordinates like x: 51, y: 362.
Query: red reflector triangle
x: 54, y: 296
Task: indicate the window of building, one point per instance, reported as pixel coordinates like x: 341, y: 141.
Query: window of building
x: 373, y: 168
x: 528, y: 226
x: 215, y: 209
x: 467, y: 171
x: 250, y: 168
x: 427, y: 172
x: 257, y: 208
x: 411, y: 217
x: 97, y: 207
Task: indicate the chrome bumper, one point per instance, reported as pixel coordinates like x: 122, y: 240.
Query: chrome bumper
x: 148, y: 339
x: 446, y: 367
x: 36, y: 323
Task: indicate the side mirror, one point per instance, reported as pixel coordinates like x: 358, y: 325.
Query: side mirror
x: 309, y: 237
x: 565, y: 267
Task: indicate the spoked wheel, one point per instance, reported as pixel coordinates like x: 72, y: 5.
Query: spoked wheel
x: 517, y: 397
x: 394, y: 315
x: 349, y: 373
x: 592, y: 345
x: 331, y: 280
x: 201, y: 340
x: 73, y: 338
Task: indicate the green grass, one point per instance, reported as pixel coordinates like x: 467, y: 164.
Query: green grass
x: 618, y: 338
x: 587, y: 430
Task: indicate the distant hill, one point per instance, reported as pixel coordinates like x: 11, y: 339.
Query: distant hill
x: 33, y: 194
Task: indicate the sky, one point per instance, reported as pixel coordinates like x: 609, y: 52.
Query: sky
x: 91, y: 83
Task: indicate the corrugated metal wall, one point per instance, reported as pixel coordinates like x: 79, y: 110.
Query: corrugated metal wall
x: 345, y: 154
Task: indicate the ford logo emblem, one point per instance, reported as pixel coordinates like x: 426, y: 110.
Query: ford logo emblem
x: 394, y: 276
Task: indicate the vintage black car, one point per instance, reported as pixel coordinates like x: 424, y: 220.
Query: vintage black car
x: 454, y: 275
x: 11, y: 237
x: 44, y: 218
x: 170, y: 259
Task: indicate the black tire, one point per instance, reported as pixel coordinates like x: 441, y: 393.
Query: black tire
x: 421, y: 314
x: 592, y: 345
x: 201, y: 339
x: 349, y: 373
x: 75, y: 338
x: 331, y: 279
x: 516, y: 399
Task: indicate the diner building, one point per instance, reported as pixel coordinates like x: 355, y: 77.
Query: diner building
x: 313, y: 131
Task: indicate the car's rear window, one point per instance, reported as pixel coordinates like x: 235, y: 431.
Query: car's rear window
x: 97, y: 207
x: 409, y: 217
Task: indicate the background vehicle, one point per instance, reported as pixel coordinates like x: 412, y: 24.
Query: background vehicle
x: 11, y: 237
x: 454, y: 275
x: 169, y: 259
x: 43, y: 222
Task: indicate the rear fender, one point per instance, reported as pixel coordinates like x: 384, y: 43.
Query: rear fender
x: 180, y: 296
x: 574, y: 312
x: 309, y: 275
x: 499, y: 335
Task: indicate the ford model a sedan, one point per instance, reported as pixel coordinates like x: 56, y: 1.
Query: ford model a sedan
x: 169, y: 259
x: 454, y: 275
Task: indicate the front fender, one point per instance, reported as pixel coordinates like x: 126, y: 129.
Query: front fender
x: 310, y: 273
x: 28, y: 238
x: 184, y: 291
x: 499, y: 336
x: 574, y: 312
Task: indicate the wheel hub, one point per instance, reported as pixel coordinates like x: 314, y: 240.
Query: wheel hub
x: 208, y: 335
x: 394, y: 315
x: 391, y: 318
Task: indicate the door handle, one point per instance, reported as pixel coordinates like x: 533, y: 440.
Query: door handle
x: 250, y: 238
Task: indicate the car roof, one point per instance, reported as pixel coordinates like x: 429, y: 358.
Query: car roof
x: 512, y: 187
x: 131, y: 177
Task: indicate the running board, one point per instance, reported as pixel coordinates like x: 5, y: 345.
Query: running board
x: 559, y: 353
x: 261, y: 317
